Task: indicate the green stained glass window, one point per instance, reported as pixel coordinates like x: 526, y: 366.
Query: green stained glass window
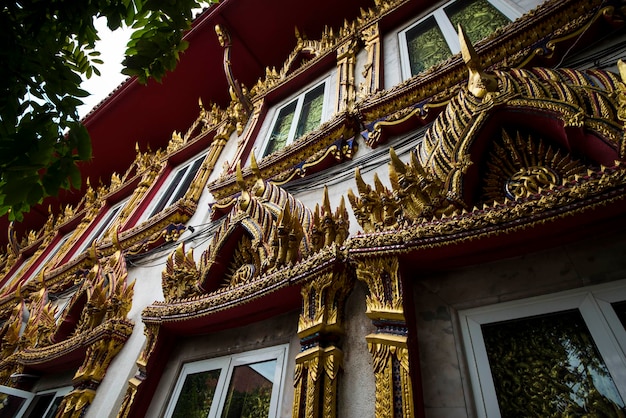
x: 311, y: 114
x: 280, y: 133
x: 549, y: 366
x: 426, y: 46
x: 296, y: 119
x: 250, y: 391
x: 479, y: 18
x: 196, y: 396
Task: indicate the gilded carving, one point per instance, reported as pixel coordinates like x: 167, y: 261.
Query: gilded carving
x: 391, y: 364
x: 346, y: 60
x: 388, y: 346
x: 381, y: 276
x: 522, y: 166
x: 315, y: 382
x: 28, y: 335
x: 319, y: 328
x: 370, y: 35
x: 41, y: 321
x: 552, y: 23
x: 322, y: 303
x: 11, y: 331
x: 180, y: 275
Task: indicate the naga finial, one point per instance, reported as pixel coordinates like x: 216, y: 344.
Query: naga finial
x: 479, y: 83
x: 245, y: 196
x: 259, y: 185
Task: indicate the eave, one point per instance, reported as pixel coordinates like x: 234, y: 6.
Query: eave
x: 148, y: 114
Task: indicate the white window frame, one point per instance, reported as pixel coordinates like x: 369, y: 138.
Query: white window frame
x: 227, y: 365
x: 171, y: 176
x: 510, y: 10
x: 594, y: 304
x: 297, y: 112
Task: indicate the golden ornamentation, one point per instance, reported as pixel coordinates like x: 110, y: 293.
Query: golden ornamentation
x: 329, y: 229
x: 319, y: 327
x: 382, y: 278
x: 180, y: 275
x: 370, y: 36
x: 75, y: 403
x: 41, y: 321
x: 11, y: 331
x: 312, y: 49
x: 434, y: 183
x: 273, y: 235
x: 479, y: 83
x: 550, y: 23
x: 332, y: 138
x: 315, y: 381
x: 598, y: 187
x: 529, y: 181
x: 322, y: 303
x: 346, y: 61
x: 522, y: 166
x: 390, y: 360
x: 102, y: 329
x: 388, y: 345
x: 278, y: 230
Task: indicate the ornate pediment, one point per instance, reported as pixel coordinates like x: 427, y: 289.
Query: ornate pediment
x: 265, y: 233
x: 507, y: 135
x: 41, y: 332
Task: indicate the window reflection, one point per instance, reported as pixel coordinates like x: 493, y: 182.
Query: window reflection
x: 250, y: 391
x: 197, y: 394
x: 548, y: 365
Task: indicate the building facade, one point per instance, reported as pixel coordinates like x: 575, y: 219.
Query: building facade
x: 400, y: 209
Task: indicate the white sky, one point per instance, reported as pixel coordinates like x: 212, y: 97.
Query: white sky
x: 111, y: 46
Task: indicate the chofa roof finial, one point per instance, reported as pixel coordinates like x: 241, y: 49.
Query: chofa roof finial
x: 479, y: 83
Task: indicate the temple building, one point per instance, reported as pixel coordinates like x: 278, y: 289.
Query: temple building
x: 367, y: 208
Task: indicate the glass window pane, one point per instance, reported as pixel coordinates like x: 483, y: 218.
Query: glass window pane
x: 280, y: 133
x: 548, y: 365
x: 10, y: 405
x: 620, y: 310
x: 52, y: 412
x: 39, y: 405
x: 104, y: 225
x: 196, y: 395
x: 191, y: 174
x: 311, y: 114
x: 479, y: 18
x: 165, y: 198
x: 426, y: 46
x: 250, y: 390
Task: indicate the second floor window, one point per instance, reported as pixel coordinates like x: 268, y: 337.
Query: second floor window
x: 101, y: 227
x: 296, y: 119
x: 45, y: 261
x: 434, y: 38
x: 177, y: 185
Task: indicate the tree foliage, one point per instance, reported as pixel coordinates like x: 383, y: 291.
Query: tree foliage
x: 45, y: 48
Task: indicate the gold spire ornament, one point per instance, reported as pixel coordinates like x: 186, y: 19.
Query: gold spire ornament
x: 479, y: 83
